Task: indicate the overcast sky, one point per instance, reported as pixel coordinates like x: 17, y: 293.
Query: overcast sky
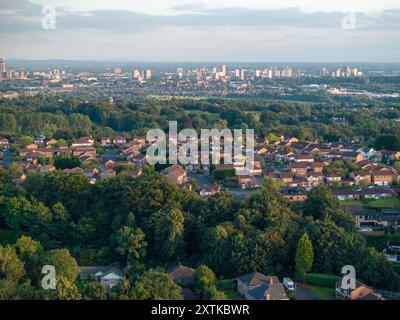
x: 204, y: 30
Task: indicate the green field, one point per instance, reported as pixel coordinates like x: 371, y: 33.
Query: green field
x: 383, y: 203
x: 322, y: 292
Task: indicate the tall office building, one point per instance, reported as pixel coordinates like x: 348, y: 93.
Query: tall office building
x: 136, y: 74
x: 223, y: 70
x: 2, y: 67
x: 180, y: 72
x: 287, y: 72
x: 148, y: 74
x: 10, y: 73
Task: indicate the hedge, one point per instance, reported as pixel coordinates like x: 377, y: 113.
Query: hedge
x: 322, y: 280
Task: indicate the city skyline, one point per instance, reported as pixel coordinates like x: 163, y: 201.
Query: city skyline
x: 186, y: 31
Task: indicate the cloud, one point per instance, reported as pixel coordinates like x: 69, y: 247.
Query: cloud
x: 127, y: 21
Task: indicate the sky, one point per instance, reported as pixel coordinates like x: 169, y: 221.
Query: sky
x: 202, y: 30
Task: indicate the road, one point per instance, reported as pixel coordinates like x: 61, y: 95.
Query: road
x: 304, y: 294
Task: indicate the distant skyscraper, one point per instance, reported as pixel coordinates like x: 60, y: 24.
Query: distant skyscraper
x: 223, y: 70
x: 148, y: 74
x: 10, y: 73
x: 180, y: 72
x: 2, y: 67
x: 117, y: 70
x: 287, y: 72
x: 136, y: 74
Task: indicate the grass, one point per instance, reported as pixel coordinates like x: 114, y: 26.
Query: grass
x: 382, y: 203
x: 323, y: 293
x: 228, y: 286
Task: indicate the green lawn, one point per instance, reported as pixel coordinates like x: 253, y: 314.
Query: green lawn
x: 228, y: 286
x: 383, y: 203
x: 322, y: 292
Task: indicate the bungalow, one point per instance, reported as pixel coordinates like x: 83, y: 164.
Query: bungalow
x: 346, y: 194
x: 181, y: 274
x: 294, y: 194
x: 206, y: 190
x: 361, y: 292
x: 303, y: 158
x: 176, y: 174
x: 377, y: 193
x: 109, y: 276
x: 256, y: 286
x: 84, y: 142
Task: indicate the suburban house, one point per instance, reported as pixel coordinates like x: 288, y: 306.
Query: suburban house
x: 382, y: 177
x: 107, y: 174
x: 107, y: 275
x: 176, y: 174
x: 392, y: 253
x: 298, y: 168
x: 249, y: 182
x: 119, y: 141
x: 256, y: 286
x: 106, y: 141
x: 4, y: 144
x: 361, y: 177
x: 208, y: 190
x: 181, y: 274
x: 47, y: 169
x: 84, y: 142
x: 294, y: 194
x: 361, y: 292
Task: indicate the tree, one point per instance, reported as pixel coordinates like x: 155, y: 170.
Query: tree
x: 216, y: 248
x: 304, y: 256
x: 156, y: 285
x: 65, y: 265
x: 11, y: 272
x: 205, y: 282
x: 168, y: 232
x: 319, y: 200
x: 67, y: 290
x: 131, y: 244
x: 30, y: 251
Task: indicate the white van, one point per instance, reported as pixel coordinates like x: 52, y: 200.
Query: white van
x: 288, y: 284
